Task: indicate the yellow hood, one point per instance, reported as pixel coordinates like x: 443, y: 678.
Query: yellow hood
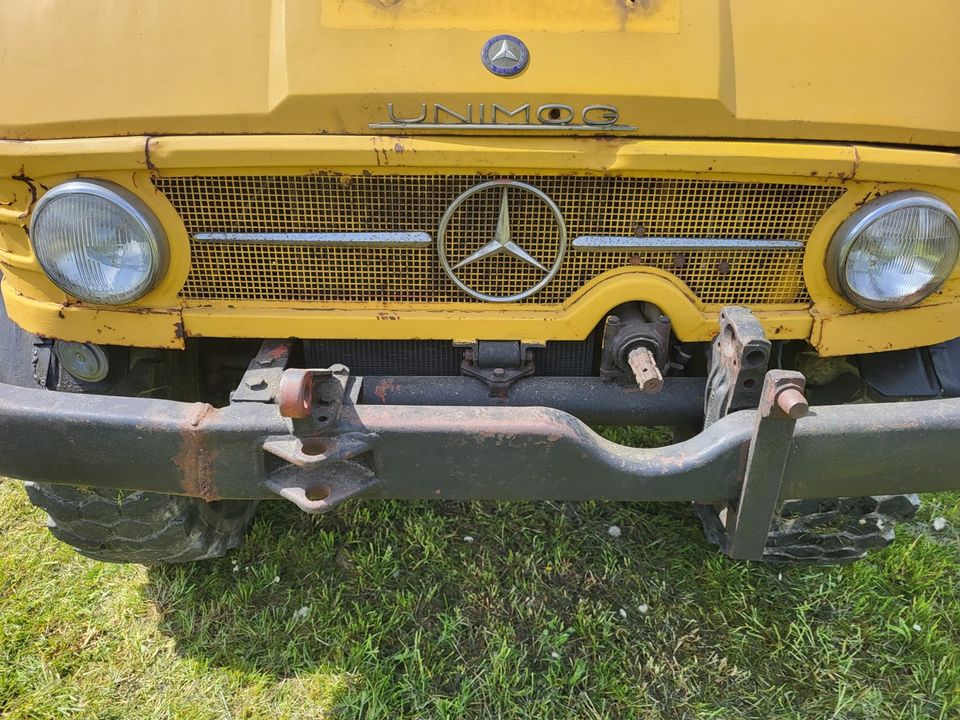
x: 860, y: 70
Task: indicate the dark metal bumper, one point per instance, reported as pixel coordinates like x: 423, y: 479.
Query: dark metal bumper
x: 748, y: 459
x: 467, y: 452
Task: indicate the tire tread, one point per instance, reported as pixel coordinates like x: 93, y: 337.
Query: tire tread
x: 141, y: 527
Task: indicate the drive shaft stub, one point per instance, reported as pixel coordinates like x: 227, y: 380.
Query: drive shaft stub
x: 645, y: 370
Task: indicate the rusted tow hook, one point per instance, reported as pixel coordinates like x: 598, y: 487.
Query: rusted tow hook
x: 295, y: 396
x: 312, y: 398
x: 322, y: 470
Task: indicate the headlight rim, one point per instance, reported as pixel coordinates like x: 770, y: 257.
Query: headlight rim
x: 850, y: 230
x: 130, y: 203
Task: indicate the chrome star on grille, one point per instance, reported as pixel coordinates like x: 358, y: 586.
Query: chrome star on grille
x: 502, y: 242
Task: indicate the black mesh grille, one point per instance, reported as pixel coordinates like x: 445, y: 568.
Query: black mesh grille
x: 437, y: 357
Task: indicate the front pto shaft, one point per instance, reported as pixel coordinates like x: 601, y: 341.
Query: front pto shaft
x: 645, y: 370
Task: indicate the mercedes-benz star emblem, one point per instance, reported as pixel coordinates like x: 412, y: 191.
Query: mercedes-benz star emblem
x: 501, y: 269
x: 505, y: 55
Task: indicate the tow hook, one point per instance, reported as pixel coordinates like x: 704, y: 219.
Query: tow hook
x: 323, y: 468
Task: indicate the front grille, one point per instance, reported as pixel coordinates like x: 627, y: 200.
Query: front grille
x: 434, y: 357
x: 688, y: 209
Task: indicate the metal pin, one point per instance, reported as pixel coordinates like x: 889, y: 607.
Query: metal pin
x: 792, y: 403
x: 645, y: 370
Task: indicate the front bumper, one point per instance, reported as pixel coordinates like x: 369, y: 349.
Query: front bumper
x: 248, y: 450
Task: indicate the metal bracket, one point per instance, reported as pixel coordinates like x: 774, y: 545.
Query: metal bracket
x: 261, y: 381
x: 741, y: 353
x: 323, y: 489
x: 748, y: 523
x: 311, y: 399
x: 42, y: 358
x: 738, y: 379
x: 322, y: 472
x: 313, y: 452
x: 498, y: 363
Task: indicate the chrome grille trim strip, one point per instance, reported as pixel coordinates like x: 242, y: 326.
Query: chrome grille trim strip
x: 344, y: 239
x: 608, y: 242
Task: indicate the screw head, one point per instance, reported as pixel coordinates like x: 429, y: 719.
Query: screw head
x: 255, y: 382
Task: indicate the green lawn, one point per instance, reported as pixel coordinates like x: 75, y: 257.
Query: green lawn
x: 388, y: 610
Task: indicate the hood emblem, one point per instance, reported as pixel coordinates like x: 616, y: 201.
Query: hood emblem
x: 505, y: 55
x: 501, y: 270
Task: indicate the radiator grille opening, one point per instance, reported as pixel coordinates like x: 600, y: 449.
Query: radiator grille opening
x: 435, y: 357
x: 688, y: 209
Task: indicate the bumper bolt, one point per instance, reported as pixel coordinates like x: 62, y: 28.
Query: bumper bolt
x: 255, y: 383
x: 792, y: 403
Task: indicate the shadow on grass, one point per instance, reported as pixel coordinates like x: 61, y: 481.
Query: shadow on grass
x: 411, y: 594
x: 447, y: 609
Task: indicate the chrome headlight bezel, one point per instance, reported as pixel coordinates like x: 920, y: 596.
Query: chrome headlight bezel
x: 850, y: 230
x: 128, y: 203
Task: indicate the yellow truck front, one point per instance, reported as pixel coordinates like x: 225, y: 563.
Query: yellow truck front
x: 313, y: 250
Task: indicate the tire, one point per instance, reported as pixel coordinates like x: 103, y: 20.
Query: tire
x: 140, y: 527
x: 115, y: 525
x: 824, y: 532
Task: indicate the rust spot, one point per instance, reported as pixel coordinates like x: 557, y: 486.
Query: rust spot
x: 195, y: 461
x: 383, y: 387
x: 21, y: 176
x: 146, y: 155
x: 178, y: 331
x: 280, y: 351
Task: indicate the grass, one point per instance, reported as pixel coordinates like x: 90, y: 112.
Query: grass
x: 387, y: 610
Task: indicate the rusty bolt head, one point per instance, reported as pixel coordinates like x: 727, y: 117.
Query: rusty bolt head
x: 792, y: 403
x: 499, y: 372
x: 255, y: 382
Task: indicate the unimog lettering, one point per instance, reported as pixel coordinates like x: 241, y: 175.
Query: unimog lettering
x: 548, y: 116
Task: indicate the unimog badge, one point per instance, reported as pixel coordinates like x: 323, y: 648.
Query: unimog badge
x: 494, y: 116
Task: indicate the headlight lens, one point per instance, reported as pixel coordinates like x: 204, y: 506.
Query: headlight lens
x: 98, y: 242
x: 894, y: 251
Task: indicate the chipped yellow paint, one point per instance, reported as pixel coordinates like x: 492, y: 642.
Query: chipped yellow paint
x: 156, y: 328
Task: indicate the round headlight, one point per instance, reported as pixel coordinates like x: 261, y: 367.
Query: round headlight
x: 98, y: 242
x: 894, y: 251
